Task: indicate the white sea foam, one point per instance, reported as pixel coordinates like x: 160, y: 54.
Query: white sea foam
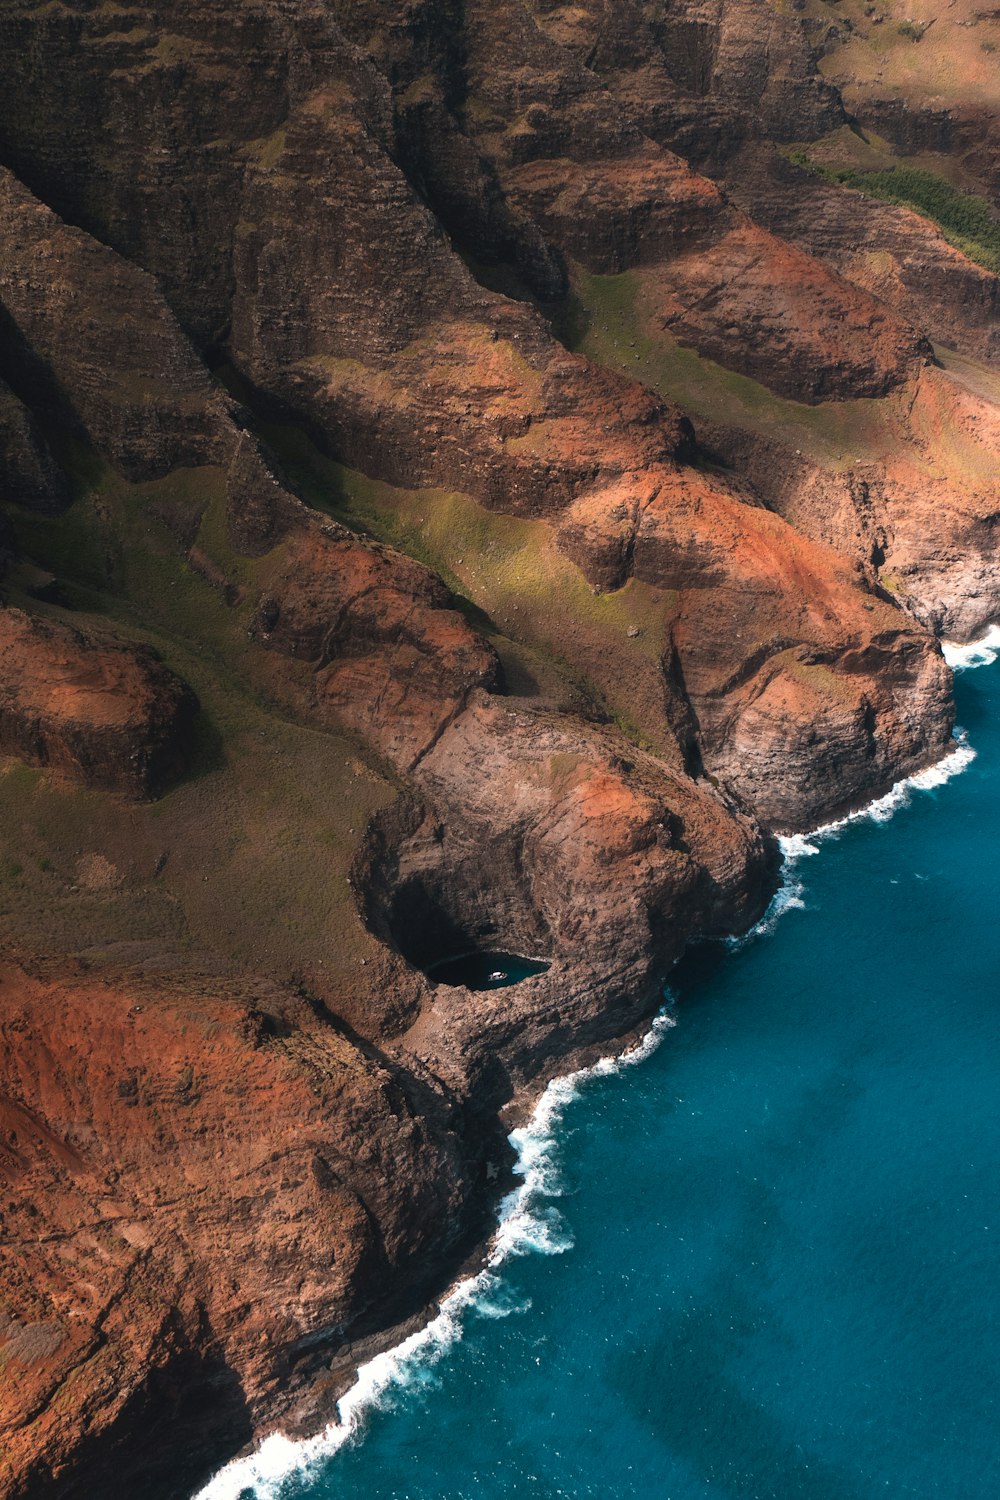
x: 796, y: 847
x: 528, y: 1223
x: 981, y: 653
x: 958, y: 759
x: 528, y: 1220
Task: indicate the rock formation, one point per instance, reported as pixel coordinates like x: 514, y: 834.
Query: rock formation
x: 104, y: 714
x: 118, y: 1105
x: 550, y: 489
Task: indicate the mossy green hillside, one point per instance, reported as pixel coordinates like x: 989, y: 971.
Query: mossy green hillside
x: 555, y: 635
x: 248, y: 858
x: 608, y: 319
x: 966, y: 220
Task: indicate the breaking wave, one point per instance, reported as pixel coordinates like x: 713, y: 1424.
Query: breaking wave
x: 529, y: 1222
x: 980, y: 653
x: 795, y: 847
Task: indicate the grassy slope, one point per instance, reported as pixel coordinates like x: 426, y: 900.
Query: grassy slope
x: 920, y: 440
x: 607, y: 319
x: 851, y: 148
x: 953, y: 63
x: 556, y: 637
x: 966, y: 220
x: 245, y: 863
x: 248, y: 858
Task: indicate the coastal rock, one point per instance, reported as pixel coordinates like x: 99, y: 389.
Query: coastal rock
x: 924, y: 533
x: 543, y: 835
x: 792, y: 604
x: 203, y: 1188
x: 377, y: 222
x: 802, y: 627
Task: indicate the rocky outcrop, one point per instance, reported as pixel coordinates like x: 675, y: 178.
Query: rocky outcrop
x: 703, y: 78
x: 853, y: 706
x: 803, y: 332
x: 600, y: 859
x: 548, y: 151
x: 877, y: 689
x: 800, y: 624
x: 107, y: 715
x: 893, y: 253
x: 924, y: 532
x: 201, y: 1187
x: 100, y: 350
x: 570, y: 154
x: 389, y: 655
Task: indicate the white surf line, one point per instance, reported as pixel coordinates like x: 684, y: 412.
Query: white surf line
x: 527, y: 1223
x: 798, y: 846
x: 980, y: 653
x: 527, y: 1220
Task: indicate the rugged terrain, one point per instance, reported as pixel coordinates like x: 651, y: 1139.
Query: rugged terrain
x: 470, y: 474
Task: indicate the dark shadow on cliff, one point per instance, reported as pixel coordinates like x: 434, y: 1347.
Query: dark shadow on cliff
x: 700, y: 965
x: 172, y: 1434
x: 207, y: 751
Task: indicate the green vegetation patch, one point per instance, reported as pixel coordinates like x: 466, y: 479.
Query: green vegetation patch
x: 248, y: 857
x: 555, y: 635
x: 966, y: 220
x: 611, y: 319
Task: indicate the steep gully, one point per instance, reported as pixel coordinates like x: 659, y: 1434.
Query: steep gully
x: 218, y: 1186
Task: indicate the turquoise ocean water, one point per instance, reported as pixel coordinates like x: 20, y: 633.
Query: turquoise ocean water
x: 760, y: 1262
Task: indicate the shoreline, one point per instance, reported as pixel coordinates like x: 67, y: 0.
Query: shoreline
x: 520, y: 1228
x: 961, y: 656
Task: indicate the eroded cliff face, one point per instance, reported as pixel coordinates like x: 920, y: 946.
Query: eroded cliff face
x: 121, y: 1106
x: 461, y: 466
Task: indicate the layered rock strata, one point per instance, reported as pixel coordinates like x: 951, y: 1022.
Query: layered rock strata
x: 892, y: 252
x: 368, y: 219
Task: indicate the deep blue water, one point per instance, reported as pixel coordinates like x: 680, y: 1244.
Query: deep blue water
x: 486, y: 971
x: 785, y: 1223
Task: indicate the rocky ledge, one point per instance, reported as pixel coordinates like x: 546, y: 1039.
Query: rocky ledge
x: 107, y: 715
